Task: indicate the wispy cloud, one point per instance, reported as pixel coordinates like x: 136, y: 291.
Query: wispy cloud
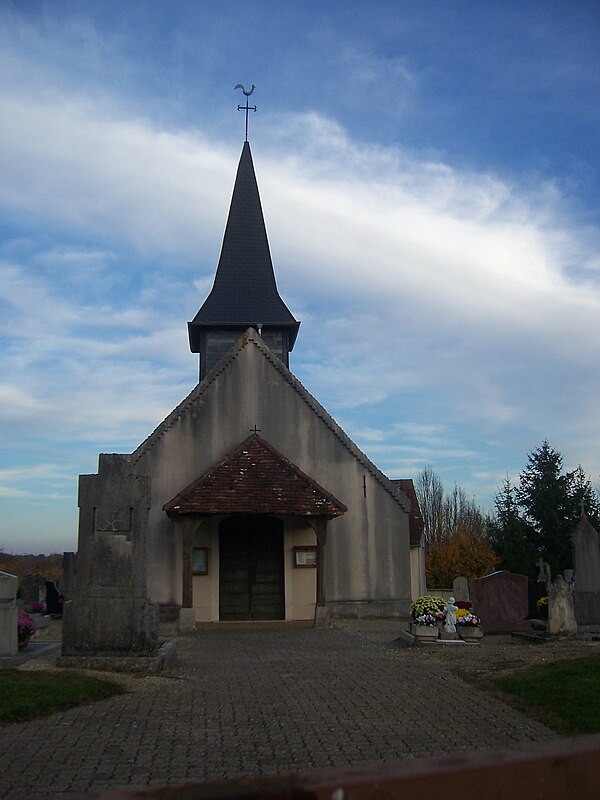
x: 449, y: 311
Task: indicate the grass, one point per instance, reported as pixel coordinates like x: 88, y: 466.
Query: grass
x: 25, y: 695
x: 565, y: 695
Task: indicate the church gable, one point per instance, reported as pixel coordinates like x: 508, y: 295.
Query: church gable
x: 256, y: 401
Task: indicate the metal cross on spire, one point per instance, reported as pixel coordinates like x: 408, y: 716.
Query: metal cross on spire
x: 247, y: 107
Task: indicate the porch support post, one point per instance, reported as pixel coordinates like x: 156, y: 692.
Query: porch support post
x: 319, y: 526
x: 186, y: 615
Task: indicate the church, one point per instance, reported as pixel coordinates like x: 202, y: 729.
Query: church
x: 249, y: 502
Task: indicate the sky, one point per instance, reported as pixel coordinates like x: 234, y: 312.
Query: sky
x: 430, y: 181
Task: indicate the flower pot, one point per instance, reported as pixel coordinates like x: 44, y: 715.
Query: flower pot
x: 470, y: 633
x: 426, y: 634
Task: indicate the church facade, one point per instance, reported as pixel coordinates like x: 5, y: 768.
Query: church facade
x: 249, y: 501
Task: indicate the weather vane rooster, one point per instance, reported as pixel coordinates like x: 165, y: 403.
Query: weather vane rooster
x: 247, y: 107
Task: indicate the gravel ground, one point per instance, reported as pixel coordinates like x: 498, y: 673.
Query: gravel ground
x: 495, y: 656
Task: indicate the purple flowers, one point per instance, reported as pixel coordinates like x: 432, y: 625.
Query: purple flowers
x: 468, y: 619
x: 26, y: 628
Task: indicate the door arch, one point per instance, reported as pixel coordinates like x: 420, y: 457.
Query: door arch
x: 251, y: 568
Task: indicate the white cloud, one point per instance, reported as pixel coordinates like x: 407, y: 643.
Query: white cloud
x: 437, y: 298
x: 17, y: 404
x: 7, y: 491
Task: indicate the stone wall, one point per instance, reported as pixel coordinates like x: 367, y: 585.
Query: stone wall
x: 111, y: 613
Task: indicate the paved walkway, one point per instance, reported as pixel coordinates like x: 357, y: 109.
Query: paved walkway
x: 256, y: 702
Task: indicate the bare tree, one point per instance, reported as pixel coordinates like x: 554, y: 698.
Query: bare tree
x: 430, y: 494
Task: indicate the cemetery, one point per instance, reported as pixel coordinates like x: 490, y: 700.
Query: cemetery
x: 467, y: 636
x: 129, y: 638
x: 341, y: 656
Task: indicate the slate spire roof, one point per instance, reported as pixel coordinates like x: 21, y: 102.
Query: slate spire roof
x: 244, y: 292
x: 254, y: 478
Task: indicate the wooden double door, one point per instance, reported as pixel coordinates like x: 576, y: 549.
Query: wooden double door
x: 251, y: 568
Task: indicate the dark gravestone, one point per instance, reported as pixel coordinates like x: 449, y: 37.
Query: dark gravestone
x: 586, y: 557
x: 54, y: 600
x: 502, y: 601
x: 32, y: 590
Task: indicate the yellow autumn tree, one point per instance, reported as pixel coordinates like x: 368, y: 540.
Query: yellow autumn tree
x: 459, y: 552
x: 456, y: 533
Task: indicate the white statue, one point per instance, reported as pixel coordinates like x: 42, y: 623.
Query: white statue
x: 451, y: 609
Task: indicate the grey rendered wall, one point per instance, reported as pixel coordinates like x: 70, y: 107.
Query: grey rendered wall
x: 368, y: 548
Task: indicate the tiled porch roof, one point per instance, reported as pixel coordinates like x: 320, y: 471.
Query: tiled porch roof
x: 255, y: 479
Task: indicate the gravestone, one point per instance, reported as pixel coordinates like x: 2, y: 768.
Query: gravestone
x: 501, y: 599
x: 111, y: 616
x: 32, y: 590
x: 586, y: 558
x: 9, y: 643
x: 460, y: 589
x: 544, y: 572
x: 54, y: 601
x: 561, y: 609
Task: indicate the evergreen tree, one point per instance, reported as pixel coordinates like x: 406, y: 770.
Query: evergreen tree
x: 551, y: 504
x: 583, y: 496
x: 510, y: 534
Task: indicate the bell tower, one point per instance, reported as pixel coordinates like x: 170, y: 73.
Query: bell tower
x: 244, y: 292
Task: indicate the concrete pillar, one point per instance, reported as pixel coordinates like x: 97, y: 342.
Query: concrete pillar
x: 9, y: 643
x: 187, y: 578
x: 319, y: 525
x: 187, y: 619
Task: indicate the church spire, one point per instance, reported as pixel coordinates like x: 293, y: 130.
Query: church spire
x: 244, y: 292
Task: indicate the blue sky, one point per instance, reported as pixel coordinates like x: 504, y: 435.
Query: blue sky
x: 430, y: 178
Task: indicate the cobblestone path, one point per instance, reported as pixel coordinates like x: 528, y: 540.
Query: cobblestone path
x: 259, y: 702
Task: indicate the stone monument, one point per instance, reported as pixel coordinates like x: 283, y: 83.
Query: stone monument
x: 561, y: 609
x: 586, y: 559
x: 9, y: 644
x: 111, y: 617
